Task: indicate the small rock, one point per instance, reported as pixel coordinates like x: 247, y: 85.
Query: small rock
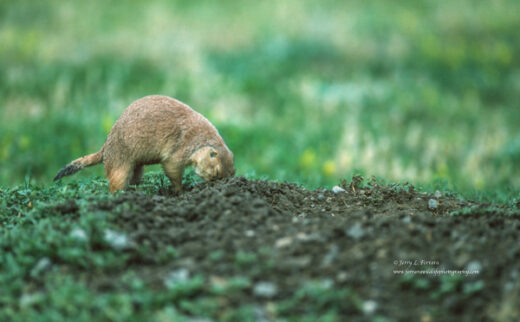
x: 437, y: 194
x: 356, y: 231
x: 337, y: 189
x: 250, y: 233
x: 43, y: 264
x: 176, y: 277
x: 302, y: 236
x: 321, y: 196
x: 265, y: 289
x: 342, y: 276
x: 27, y: 300
x: 432, y: 204
x: 283, y: 242
x: 117, y: 240
x: 369, y: 306
x: 218, y: 281
x: 79, y: 234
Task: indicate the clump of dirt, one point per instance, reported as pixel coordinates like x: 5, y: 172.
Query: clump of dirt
x: 357, y: 243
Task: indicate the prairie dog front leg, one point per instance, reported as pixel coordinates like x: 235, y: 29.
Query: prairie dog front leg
x: 173, y: 170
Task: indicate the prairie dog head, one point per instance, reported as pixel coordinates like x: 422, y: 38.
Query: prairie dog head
x: 210, y: 163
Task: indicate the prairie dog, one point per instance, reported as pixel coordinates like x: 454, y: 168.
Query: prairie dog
x: 159, y: 129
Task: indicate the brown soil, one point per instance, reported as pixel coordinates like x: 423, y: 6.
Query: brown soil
x: 347, y: 245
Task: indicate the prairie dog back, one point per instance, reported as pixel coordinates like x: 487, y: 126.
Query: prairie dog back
x: 160, y: 129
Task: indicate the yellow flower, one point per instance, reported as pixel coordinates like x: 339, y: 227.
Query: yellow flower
x: 329, y: 168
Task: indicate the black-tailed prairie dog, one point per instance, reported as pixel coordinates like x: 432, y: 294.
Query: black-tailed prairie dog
x: 159, y: 129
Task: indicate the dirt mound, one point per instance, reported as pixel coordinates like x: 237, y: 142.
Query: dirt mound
x: 320, y: 250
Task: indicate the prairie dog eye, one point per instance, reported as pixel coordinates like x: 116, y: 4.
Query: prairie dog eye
x: 212, y: 154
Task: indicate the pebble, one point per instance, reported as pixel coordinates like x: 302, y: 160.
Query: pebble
x: 265, y: 289
x: 250, y: 233
x: 321, y: 196
x: 302, y: 236
x: 117, y: 240
x: 43, y: 264
x: 176, y: 277
x: 79, y: 234
x: 369, y: 306
x: 342, y: 276
x: 437, y: 194
x: 337, y: 189
x: 432, y: 204
x: 283, y: 242
x: 27, y: 300
x: 356, y: 231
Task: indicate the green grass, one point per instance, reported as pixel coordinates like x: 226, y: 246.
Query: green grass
x: 423, y: 92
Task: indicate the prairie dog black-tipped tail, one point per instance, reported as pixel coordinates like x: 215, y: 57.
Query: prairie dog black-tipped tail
x: 78, y: 164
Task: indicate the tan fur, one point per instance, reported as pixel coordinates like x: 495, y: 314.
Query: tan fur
x: 159, y: 129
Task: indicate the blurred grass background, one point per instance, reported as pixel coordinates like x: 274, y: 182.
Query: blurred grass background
x: 420, y: 91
